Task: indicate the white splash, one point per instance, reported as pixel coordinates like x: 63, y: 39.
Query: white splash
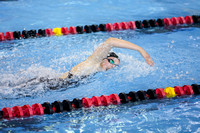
x: 131, y: 68
x: 25, y: 82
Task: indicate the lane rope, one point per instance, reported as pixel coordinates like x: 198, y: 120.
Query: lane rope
x: 174, y: 21
x: 95, y: 101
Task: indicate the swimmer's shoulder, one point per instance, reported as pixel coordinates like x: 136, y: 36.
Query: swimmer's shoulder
x: 84, y: 68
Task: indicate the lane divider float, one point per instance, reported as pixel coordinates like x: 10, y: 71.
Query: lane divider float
x: 101, y: 27
x: 95, y: 101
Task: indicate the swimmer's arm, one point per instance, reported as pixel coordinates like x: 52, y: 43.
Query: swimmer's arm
x: 114, y: 42
x: 102, y: 51
x: 97, y: 56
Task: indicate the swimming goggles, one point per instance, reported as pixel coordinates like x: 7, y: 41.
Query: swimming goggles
x: 111, y: 61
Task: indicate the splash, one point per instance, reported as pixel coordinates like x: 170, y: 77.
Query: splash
x: 26, y: 82
x: 131, y: 68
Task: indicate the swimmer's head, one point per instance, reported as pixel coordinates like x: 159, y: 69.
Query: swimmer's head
x: 110, y: 61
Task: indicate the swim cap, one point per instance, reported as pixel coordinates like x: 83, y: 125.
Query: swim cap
x: 112, y: 54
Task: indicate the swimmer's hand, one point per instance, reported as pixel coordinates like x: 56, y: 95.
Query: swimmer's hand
x: 146, y: 57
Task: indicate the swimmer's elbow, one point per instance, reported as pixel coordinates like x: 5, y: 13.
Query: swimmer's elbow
x: 110, y: 41
x: 111, y: 38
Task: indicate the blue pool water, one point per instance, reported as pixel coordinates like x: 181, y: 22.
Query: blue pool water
x: 175, y: 51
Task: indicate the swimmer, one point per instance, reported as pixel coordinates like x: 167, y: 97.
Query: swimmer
x: 102, y: 59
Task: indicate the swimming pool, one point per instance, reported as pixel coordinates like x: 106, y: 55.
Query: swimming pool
x: 174, y: 50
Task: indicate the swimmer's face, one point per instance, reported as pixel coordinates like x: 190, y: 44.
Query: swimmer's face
x: 109, y: 63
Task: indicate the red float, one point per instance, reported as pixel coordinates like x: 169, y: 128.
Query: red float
x: 124, y: 25
x: 64, y: 30
x: 109, y: 27
x: 114, y: 99
x: 188, y: 90
x: 132, y: 25
x: 86, y: 102
x: 9, y: 36
x: 49, y: 32
x: 27, y: 110
x: 117, y: 26
x: 160, y: 93
x: 96, y: 101
x: 167, y: 21
x: 17, y: 111
x: 37, y: 109
x: 72, y: 30
x: 181, y: 20
x: 179, y: 91
x: 189, y: 19
x: 105, y: 100
x: 174, y: 21
x: 2, y: 38
x: 7, y: 114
